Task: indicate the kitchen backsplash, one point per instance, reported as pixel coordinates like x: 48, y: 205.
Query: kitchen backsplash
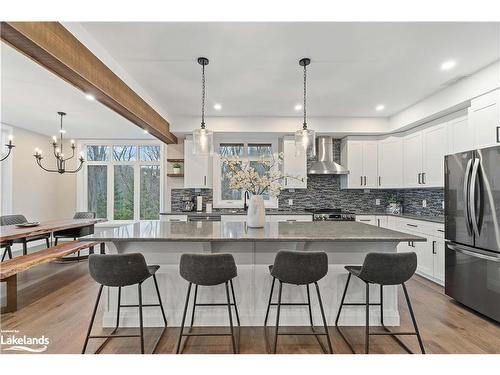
x: 323, y: 191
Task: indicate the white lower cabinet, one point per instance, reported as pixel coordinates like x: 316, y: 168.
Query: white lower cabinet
x: 173, y: 218
x: 430, y: 254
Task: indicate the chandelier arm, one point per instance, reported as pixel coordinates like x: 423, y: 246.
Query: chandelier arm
x: 45, y: 169
x: 72, y: 155
x: 6, y: 156
x: 76, y: 170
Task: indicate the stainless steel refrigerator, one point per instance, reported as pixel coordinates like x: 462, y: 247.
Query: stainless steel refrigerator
x: 472, y: 230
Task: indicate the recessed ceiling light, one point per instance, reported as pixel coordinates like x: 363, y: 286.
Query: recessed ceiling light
x: 380, y: 107
x: 217, y: 106
x: 298, y: 107
x: 146, y: 132
x: 89, y: 97
x: 447, y: 65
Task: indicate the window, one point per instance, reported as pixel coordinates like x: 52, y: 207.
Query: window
x: 253, y: 153
x: 123, y: 181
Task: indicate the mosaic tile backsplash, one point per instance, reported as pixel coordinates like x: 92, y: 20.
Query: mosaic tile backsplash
x: 323, y: 191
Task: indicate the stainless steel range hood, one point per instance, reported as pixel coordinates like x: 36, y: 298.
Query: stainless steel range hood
x: 324, y: 163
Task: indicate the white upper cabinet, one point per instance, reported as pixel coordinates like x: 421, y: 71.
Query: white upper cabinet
x: 360, y: 158
x: 390, y: 162
x: 461, y: 135
x: 412, y: 159
x: 197, y: 169
x: 294, y: 165
x: 484, y: 115
x: 435, y: 145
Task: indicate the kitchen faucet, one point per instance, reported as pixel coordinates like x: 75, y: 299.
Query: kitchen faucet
x: 245, y: 196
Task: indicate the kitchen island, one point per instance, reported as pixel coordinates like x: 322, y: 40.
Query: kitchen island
x: 254, y: 250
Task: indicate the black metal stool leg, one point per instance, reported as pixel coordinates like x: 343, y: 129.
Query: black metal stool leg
x: 420, y: 343
x: 382, y: 305
x: 55, y: 241
x: 92, y: 319
x: 367, y: 324
x: 118, y: 309
x: 140, y: 318
x: 194, y: 306
x: 230, y: 317
x: 324, y: 319
x: 47, y: 242
x: 343, y: 299
x: 309, y: 306
x: 183, y: 319
x: 269, y: 303
x: 234, y: 302
x: 277, y: 318
x: 159, y: 300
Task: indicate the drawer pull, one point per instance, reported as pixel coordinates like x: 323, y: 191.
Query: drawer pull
x: 434, y: 247
x: 440, y: 230
x: 412, y: 225
x: 364, y: 220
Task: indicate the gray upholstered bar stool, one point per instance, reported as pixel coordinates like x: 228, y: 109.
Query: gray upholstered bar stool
x: 299, y: 268
x: 209, y: 270
x: 382, y: 269
x: 120, y: 270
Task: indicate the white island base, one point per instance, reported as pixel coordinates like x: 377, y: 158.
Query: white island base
x: 252, y: 285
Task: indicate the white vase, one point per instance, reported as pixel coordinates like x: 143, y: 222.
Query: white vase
x: 256, y: 215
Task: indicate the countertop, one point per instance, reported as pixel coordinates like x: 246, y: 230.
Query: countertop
x: 433, y: 219
x: 147, y: 231
x: 219, y: 212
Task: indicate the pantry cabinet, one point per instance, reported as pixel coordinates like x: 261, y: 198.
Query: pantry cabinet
x: 294, y: 166
x: 360, y: 157
x: 484, y: 115
x: 197, y: 168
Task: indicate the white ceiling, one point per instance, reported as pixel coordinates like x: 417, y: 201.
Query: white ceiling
x: 254, y: 69
x: 31, y: 96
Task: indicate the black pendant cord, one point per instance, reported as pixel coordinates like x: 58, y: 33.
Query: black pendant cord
x: 304, y: 124
x: 203, y: 62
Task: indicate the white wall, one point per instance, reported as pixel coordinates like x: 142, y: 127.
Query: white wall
x: 37, y: 194
x: 450, y: 99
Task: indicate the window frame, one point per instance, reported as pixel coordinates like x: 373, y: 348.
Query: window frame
x: 82, y: 187
x: 272, y: 202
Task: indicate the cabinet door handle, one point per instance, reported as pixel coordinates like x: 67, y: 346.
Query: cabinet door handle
x: 498, y: 134
x: 205, y: 180
x: 412, y: 225
x: 434, y: 247
x: 423, y: 178
x: 365, y: 179
x: 378, y: 222
x: 419, y: 178
x: 286, y: 181
x: 361, y: 181
x: 379, y: 181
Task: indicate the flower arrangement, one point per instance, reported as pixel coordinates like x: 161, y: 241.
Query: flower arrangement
x: 269, y: 179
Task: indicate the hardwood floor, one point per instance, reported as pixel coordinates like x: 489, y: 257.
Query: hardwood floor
x: 56, y: 300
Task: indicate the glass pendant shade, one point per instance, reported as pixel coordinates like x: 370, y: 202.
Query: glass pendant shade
x: 203, y: 142
x: 305, y: 143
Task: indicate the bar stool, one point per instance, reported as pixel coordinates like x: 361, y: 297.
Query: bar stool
x: 120, y: 270
x: 208, y: 270
x: 383, y: 269
x: 299, y: 268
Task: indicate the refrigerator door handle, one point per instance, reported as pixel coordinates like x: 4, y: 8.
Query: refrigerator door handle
x: 466, y: 197
x: 473, y: 253
x: 472, y: 197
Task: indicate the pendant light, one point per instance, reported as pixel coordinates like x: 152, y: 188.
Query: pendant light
x: 304, y: 138
x: 59, y: 153
x: 203, y: 139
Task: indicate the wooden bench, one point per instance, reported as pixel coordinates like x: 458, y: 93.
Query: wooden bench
x: 10, y: 268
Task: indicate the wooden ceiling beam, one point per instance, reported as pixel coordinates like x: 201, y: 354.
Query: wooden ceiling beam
x: 56, y: 49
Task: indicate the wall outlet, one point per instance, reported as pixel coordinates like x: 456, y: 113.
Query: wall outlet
x: 424, y: 203
x: 377, y: 202
x: 290, y: 202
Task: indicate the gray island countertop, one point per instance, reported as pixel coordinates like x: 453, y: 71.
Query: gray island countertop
x: 146, y: 231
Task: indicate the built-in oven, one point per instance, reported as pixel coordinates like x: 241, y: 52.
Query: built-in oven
x: 473, y: 277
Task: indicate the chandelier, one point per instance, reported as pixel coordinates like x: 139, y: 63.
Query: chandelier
x: 305, y: 138
x: 9, y: 146
x: 203, y: 139
x: 59, y: 153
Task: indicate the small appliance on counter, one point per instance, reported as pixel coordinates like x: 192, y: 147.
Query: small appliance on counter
x: 199, y: 203
x: 208, y: 208
x: 187, y: 203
